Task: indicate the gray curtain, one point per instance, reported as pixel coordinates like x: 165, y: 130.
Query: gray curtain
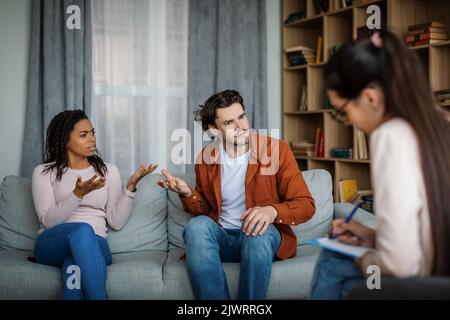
x: 60, y: 72
x: 227, y: 50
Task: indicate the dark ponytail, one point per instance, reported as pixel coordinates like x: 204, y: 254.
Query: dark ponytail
x: 398, y: 71
x: 57, y: 138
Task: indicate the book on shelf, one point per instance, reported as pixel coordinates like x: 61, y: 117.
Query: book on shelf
x: 303, y: 105
x: 426, y: 33
x: 362, y: 141
x: 319, y: 49
x: 319, y: 143
x: 426, y: 36
x: 300, y: 55
x: 347, y: 189
x: 343, y: 153
x: 296, y: 59
x: 303, y: 148
x: 296, y: 16
x: 360, y: 146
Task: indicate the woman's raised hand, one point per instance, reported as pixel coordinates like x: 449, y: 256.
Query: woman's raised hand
x: 141, y: 172
x: 82, y: 188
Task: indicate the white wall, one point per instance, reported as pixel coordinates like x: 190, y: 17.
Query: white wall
x: 273, y: 9
x: 15, y: 21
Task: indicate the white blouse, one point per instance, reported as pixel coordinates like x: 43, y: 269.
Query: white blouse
x: 403, y: 232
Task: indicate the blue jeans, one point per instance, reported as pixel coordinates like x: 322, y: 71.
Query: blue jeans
x: 334, y: 277
x: 76, y: 244
x: 208, y: 245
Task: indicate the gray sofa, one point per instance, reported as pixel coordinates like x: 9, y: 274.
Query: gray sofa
x: 146, y: 252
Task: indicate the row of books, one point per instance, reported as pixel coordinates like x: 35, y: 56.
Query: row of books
x: 308, y: 149
x: 360, y: 144
x: 319, y: 143
x: 344, y: 153
x: 300, y: 55
x: 443, y: 97
x: 303, y: 149
x: 426, y: 33
x: 296, y: 16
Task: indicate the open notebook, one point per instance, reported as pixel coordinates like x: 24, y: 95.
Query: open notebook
x: 339, y: 247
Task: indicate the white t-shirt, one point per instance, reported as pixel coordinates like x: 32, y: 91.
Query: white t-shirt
x: 232, y: 178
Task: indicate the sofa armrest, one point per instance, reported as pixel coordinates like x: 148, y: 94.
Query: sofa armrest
x: 342, y: 209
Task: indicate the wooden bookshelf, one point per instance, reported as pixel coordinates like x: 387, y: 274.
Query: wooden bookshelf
x: 336, y: 27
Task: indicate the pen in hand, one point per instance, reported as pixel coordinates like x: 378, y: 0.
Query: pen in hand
x: 347, y: 219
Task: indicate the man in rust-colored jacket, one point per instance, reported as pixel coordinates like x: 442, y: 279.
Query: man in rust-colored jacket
x: 249, y: 192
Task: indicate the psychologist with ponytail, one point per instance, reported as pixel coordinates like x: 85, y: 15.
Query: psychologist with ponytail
x: 378, y: 85
x: 77, y: 196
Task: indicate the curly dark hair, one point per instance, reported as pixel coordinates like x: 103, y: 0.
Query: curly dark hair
x: 207, y: 112
x: 57, y: 138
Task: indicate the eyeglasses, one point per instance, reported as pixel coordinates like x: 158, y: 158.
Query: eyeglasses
x: 339, y: 114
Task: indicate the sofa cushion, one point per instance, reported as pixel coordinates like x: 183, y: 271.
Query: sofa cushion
x: 290, y: 279
x: 147, y: 227
x: 18, y: 220
x: 21, y: 279
x: 136, y: 275
x: 319, y: 184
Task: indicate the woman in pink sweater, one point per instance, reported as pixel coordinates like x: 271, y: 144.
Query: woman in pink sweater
x: 76, y: 195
